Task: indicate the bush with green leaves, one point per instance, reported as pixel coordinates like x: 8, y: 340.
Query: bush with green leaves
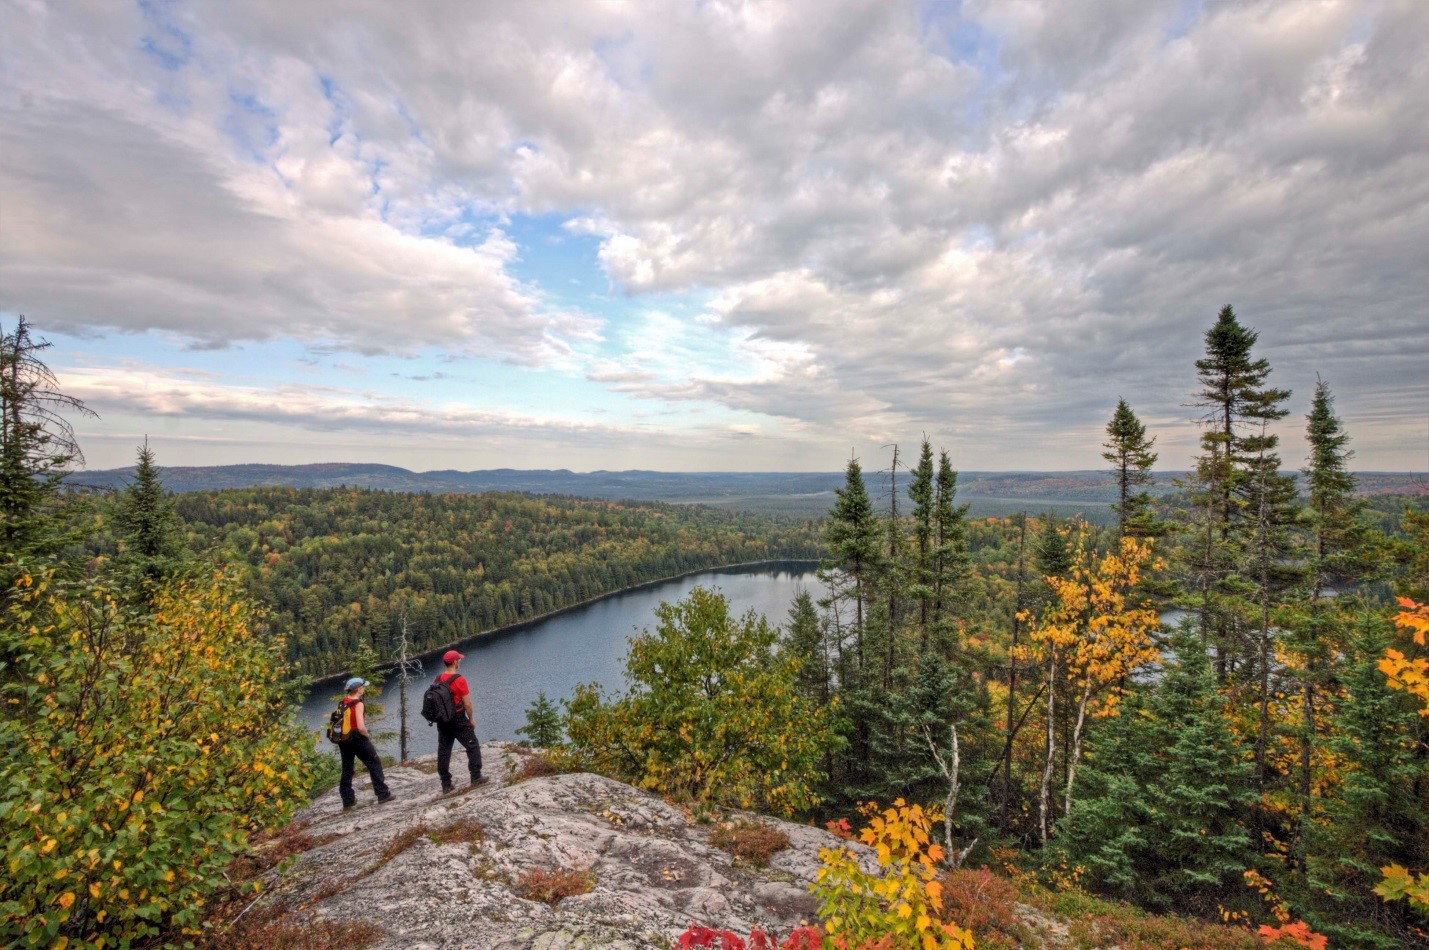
x: 143, y: 745
x: 713, y: 713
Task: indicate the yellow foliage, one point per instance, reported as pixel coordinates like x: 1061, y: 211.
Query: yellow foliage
x: 903, y: 900
x: 1406, y: 673
x: 1095, y: 631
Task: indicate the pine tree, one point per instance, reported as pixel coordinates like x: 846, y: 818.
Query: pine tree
x: 1165, y: 787
x: 951, y: 562
x: 1379, y: 812
x: 922, y: 493
x: 1198, y: 838
x: 148, y: 524
x: 543, y: 723
x: 806, y: 642
x: 1341, y: 548
x: 1129, y: 452
x: 37, y: 449
x: 1053, y: 554
x: 1231, y: 499
x: 852, y: 535
x: 1107, y: 834
x: 1271, y: 558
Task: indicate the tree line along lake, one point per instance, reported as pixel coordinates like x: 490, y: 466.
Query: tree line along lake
x: 508, y: 668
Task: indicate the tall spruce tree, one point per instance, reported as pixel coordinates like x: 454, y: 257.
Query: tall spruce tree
x: 1340, y: 550
x: 37, y: 448
x: 1235, y: 443
x: 922, y: 493
x: 851, y: 572
x: 1270, y: 557
x: 852, y: 563
x: 1129, y: 452
x: 951, y: 561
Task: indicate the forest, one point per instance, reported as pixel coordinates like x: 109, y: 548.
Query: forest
x: 339, y: 568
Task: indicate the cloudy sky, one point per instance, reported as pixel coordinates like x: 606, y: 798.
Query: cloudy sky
x: 710, y: 234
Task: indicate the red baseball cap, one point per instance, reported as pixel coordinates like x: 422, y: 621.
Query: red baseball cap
x: 451, y: 656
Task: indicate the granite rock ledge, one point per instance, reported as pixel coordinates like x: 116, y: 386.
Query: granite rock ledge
x: 655, y: 872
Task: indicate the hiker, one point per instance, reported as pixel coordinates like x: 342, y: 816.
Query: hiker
x: 460, y: 727
x: 357, y: 744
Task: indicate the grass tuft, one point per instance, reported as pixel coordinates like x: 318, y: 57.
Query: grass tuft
x: 553, y: 885
x: 751, y: 841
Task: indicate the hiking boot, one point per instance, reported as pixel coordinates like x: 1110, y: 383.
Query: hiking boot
x: 446, y: 788
x: 479, y: 780
x: 349, y: 807
x: 384, y: 799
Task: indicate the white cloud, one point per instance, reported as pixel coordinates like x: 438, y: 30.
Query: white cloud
x: 985, y: 224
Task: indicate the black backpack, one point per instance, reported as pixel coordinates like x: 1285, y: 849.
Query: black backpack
x: 334, y: 723
x: 438, y: 704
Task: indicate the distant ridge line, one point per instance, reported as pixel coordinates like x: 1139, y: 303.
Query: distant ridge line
x: 1087, y: 486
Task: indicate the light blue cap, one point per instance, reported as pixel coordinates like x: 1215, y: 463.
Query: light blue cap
x: 357, y: 681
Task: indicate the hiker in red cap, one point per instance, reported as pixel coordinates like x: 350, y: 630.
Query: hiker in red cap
x: 460, y: 728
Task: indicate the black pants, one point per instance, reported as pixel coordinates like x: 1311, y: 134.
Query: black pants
x: 360, y: 747
x: 460, y: 730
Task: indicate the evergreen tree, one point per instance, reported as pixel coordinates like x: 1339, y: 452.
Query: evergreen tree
x: 1270, y: 557
x: 148, y: 524
x: 1202, y: 793
x: 922, y: 493
x: 1053, y: 554
x: 1235, y: 444
x: 543, y: 723
x: 37, y: 449
x: 1107, y: 834
x: 1160, y: 820
x: 852, y: 535
x: 951, y: 562
x: 1340, y: 549
x: 1129, y: 452
x: 1379, y: 813
x: 806, y: 642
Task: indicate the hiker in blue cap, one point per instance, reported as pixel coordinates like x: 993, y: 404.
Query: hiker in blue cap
x: 357, y: 744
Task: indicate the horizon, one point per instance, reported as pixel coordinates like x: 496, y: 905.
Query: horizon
x: 657, y: 471
x: 712, y: 236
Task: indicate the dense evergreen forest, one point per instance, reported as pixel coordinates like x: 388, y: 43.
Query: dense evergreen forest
x: 340, y: 568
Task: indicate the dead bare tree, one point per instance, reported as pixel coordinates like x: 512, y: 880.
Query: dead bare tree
x: 949, y: 766
x: 406, y: 666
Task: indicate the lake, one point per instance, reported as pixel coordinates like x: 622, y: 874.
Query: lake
x: 507, y: 668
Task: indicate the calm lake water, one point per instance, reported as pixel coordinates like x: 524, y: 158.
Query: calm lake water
x: 586, y: 645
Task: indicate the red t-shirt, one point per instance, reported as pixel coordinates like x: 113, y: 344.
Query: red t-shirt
x: 457, y: 684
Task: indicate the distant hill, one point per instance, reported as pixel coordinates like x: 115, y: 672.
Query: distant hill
x: 794, y: 493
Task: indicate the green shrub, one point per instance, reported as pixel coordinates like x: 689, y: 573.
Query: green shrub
x: 144, y: 744
x: 713, y: 714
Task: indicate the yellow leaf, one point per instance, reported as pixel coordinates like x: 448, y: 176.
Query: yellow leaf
x: 66, y: 900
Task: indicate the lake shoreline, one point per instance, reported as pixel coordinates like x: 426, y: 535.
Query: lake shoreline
x: 529, y: 621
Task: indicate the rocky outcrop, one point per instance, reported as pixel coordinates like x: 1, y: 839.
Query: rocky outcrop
x: 439, y: 871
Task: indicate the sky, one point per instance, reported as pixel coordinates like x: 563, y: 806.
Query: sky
x: 711, y: 235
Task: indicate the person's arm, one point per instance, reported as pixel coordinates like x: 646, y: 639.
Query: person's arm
x: 466, y: 701
x: 359, y: 718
